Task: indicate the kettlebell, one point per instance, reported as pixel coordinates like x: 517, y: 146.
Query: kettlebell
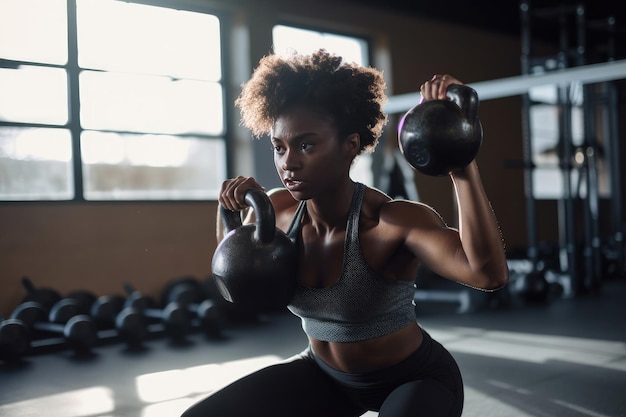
x: 437, y: 137
x: 255, y: 265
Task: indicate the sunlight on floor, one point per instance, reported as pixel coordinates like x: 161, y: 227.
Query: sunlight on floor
x: 166, y: 393
x: 202, y: 379
x: 79, y: 403
x: 531, y: 347
x: 170, y: 392
x: 486, y: 405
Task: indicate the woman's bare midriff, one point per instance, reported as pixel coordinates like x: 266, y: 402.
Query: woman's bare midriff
x: 372, y: 354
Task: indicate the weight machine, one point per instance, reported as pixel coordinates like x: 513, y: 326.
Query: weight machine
x: 583, y: 253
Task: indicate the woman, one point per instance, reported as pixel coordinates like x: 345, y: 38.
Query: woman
x: 359, y: 251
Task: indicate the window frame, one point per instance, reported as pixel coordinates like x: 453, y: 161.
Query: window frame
x: 73, y: 125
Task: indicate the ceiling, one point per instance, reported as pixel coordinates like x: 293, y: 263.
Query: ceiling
x: 503, y: 16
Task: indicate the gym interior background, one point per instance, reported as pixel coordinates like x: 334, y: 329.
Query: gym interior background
x: 569, y: 243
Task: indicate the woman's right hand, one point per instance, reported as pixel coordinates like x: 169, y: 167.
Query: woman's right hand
x: 233, y: 192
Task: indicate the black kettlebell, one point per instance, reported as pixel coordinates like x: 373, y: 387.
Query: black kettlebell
x: 437, y: 137
x: 255, y: 265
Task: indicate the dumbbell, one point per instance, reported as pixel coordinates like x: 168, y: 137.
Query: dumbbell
x: 109, y: 312
x: 14, y: 339
x: 104, y: 310
x: 188, y: 292
x: 47, y: 297
x: 83, y: 299
x: 176, y: 319
x: 132, y: 326
x: 78, y: 330
x: 210, y: 317
x: 185, y: 290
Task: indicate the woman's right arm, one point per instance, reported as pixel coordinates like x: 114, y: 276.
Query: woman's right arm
x: 232, y: 198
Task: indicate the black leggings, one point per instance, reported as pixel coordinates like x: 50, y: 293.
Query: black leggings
x: 427, y: 383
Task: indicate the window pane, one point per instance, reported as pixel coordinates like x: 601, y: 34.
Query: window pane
x: 35, y: 164
x: 127, y: 37
x: 151, y: 167
x: 31, y: 94
x: 34, y: 30
x: 289, y: 39
x: 145, y: 103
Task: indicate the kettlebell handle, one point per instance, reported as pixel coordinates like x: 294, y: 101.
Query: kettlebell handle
x: 465, y: 97
x: 263, y: 210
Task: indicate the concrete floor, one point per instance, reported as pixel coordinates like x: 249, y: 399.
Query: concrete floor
x: 564, y: 359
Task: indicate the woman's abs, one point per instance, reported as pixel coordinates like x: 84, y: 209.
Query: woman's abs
x: 372, y: 354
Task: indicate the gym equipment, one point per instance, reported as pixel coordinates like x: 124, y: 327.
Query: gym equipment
x: 460, y: 297
x: 585, y: 159
x: 231, y: 313
x: 105, y: 308
x: 209, y: 317
x: 185, y: 290
x: 190, y: 293
x: 47, y: 297
x: 78, y: 330
x: 535, y: 283
x: 14, y: 339
x: 83, y: 299
x: 128, y: 323
x: 255, y: 265
x: 175, y: 318
x: 439, y: 136
x: 137, y: 299
x: 435, y: 293
x: 131, y: 326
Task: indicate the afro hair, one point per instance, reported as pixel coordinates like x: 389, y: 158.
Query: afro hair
x: 353, y: 95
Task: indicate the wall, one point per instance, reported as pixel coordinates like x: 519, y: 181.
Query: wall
x: 98, y: 246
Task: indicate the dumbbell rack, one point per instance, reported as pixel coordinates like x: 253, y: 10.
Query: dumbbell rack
x: 576, y: 161
x: 32, y: 330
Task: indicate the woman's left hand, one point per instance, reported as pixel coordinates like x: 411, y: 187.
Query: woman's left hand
x: 435, y: 88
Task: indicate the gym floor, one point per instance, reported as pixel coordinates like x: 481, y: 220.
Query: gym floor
x: 563, y: 359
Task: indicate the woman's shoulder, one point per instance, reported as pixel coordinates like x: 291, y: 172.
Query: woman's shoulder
x: 284, y: 206
x: 378, y: 200
x: 281, y: 198
x: 398, y: 211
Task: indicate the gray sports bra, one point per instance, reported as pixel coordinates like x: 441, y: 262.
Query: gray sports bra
x: 361, y: 304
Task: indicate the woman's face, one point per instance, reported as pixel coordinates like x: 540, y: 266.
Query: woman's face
x: 309, y: 155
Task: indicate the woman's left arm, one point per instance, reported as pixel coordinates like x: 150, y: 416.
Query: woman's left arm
x: 479, y: 258
x: 478, y: 229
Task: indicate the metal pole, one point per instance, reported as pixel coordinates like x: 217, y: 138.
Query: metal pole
x: 515, y: 86
x: 528, y: 166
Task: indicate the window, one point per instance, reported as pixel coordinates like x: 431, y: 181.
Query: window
x: 288, y: 39
x: 111, y: 101
x: 545, y: 132
x: 35, y: 143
